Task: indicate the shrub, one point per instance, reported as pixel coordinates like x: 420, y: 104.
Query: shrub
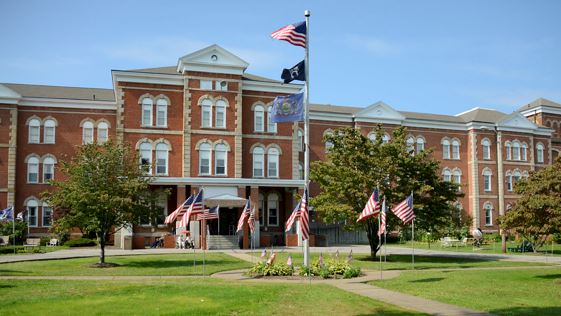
x: 277, y: 269
x: 331, y: 267
x: 557, y: 238
x: 82, y: 242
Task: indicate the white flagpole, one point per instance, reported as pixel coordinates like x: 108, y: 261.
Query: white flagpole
x: 413, y: 243
x: 380, y: 244
x: 14, y: 227
x: 306, y: 243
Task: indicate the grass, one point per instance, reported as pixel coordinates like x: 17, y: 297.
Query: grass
x: 492, y: 248
x: 403, y: 262
x: 164, y: 264
x: 502, y: 292
x: 183, y: 297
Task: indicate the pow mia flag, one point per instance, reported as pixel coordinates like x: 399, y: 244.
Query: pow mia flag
x: 297, y: 72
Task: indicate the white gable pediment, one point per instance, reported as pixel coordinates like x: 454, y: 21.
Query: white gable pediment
x: 213, y: 59
x: 379, y: 112
x: 8, y: 96
x: 516, y: 121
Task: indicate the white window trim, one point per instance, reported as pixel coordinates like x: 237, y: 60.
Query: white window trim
x: 223, y: 109
x: 165, y: 115
x: 263, y: 166
x: 209, y: 106
x: 277, y: 155
x: 490, y: 213
x: 269, y: 210
x: 44, y: 171
x: 209, y: 160
x: 225, y: 163
x: 29, y: 169
x: 261, y: 110
x: 53, y: 141
x: 34, y: 224
x: 43, y: 216
x: 166, y: 160
x: 151, y: 115
x: 38, y: 128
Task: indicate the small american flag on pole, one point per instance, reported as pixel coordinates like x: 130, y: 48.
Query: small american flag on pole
x: 382, y: 228
x: 304, y: 216
x: 181, y: 209
x: 195, y: 208
x: 251, y: 220
x: 295, y: 34
x: 295, y: 214
x: 404, y: 210
x: 211, y: 213
x: 245, y: 214
x: 372, y: 207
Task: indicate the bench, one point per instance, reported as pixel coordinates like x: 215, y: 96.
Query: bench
x: 32, y: 242
x: 4, y: 240
x: 53, y: 242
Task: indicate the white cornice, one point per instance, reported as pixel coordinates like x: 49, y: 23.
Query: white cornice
x: 329, y: 116
x: 378, y: 120
x: 8, y: 96
x: 250, y: 85
x: 541, y: 109
x: 143, y: 77
x: 224, y: 63
x: 69, y: 103
x: 230, y: 181
x: 435, y: 124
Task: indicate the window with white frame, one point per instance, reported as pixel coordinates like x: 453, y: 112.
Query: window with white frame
x: 445, y: 149
x: 273, y: 209
x: 32, y: 210
x: 162, y: 112
x: 487, y: 180
x: 328, y: 144
x: 457, y: 176
x: 420, y: 144
x: 455, y: 149
x: 271, y: 127
x: 88, y: 132
x: 47, y: 215
x: 146, y: 156
x: 410, y: 142
x: 33, y: 170
x: 204, y: 158
x: 273, y: 163
x: 300, y: 171
x: 48, y: 169
x: 162, y: 158
x: 524, y: 155
x: 386, y: 138
x: 486, y: 146
x: 220, y: 114
x: 508, y: 150
x: 509, y: 184
x: 488, y: 207
x: 206, y: 84
x: 206, y: 113
x: 517, y: 175
x: 261, y: 208
x: 259, y: 118
x: 102, y: 132
x: 49, y: 131
x: 34, y: 131
x: 258, y: 162
x: 447, y: 175
x: 147, y: 105
x: 372, y: 136
x: 221, y: 85
x: 539, y: 153
x: 515, y: 150
x: 220, y: 160
x: 300, y: 141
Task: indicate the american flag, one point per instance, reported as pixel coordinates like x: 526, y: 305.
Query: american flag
x: 304, y: 216
x: 295, y: 214
x: 245, y: 214
x: 404, y: 210
x: 372, y: 207
x: 382, y: 228
x: 251, y: 220
x: 211, y: 213
x: 295, y: 34
x: 195, y: 208
x: 171, y: 217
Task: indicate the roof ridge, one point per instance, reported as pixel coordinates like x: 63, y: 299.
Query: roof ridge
x: 475, y: 109
x: 53, y: 86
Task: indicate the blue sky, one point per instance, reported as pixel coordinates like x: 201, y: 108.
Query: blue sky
x: 427, y: 56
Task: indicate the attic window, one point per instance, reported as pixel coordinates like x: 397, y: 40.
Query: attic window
x: 214, y: 58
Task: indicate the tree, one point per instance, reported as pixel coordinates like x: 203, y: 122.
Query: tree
x: 103, y: 191
x: 355, y: 165
x: 537, y: 213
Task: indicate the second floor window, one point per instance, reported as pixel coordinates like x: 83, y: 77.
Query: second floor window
x: 206, y: 113
x: 204, y: 159
x: 162, y: 113
x: 273, y: 163
x: 146, y: 156
x: 446, y: 149
x: 102, y: 132
x: 455, y: 149
x: 220, y: 114
x: 49, y: 128
x: 34, y: 131
x: 147, y: 105
x: 162, y: 159
x: 88, y: 133
x: 486, y: 146
x: 258, y: 118
x: 487, y: 180
x: 258, y: 162
x: 47, y: 215
x: 220, y: 160
x: 271, y: 127
x: 539, y: 153
x: 33, y: 170
x: 48, y: 169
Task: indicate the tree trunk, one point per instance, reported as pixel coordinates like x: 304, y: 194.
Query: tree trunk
x: 102, y: 247
x: 371, y: 233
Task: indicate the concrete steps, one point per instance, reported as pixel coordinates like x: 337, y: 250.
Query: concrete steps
x: 222, y: 242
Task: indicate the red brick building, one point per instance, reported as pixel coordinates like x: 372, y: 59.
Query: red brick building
x: 204, y: 123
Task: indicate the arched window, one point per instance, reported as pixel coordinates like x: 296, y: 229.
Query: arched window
x: 273, y: 163
x: 487, y: 179
x: 258, y: 162
x: 509, y: 183
x: 33, y: 170
x: 146, y: 156
x: 515, y: 151
x: 524, y: 152
x: 447, y: 175
x: 517, y: 175
x: 488, y: 207
x: 271, y: 127
x: 162, y: 153
x: 273, y: 209
x: 457, y: 176
x: 300, y: 136
x: 372, y: 136
x: 102, y: 132
x: 47, y: 215
x: 420, y: 144
x: 258, y: 118
x: 300, y: 171
x: 220, y: 114
x: 147, y: 104
x: 386, y: 138
x: 508, y: 149
x: 87, y: 132
x: 220, y: 160
x: 49, y: 131
x: 261, y: 208
x: 162, y: 113
x: 206, y: 113
x: 410, y: 141
x: 445, y: 149
x: 455, y: 149
x: 34, y: 131
x: 48, y: 169
x: 32, y: 210
x: 486, y: 145
x: 204, y: 159
x: 539, y: 153
x: 328, y: 144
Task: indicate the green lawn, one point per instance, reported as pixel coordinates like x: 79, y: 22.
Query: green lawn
x: 403, y: 262
x: 490, y: 248
x: 183, y: 297
x: 165, y: 264
x: 503, y: 292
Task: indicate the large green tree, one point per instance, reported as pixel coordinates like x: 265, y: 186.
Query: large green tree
x: 537, y: 213
x: 102, y: 189
x: 355, y: 165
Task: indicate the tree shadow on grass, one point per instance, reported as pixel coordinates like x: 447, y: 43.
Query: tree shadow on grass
x: 8, y: 272
x: 436, y: 262
x: 427, y: 280
x: 529, y: 311
x: 549, y: 276
x: 173, y: 263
